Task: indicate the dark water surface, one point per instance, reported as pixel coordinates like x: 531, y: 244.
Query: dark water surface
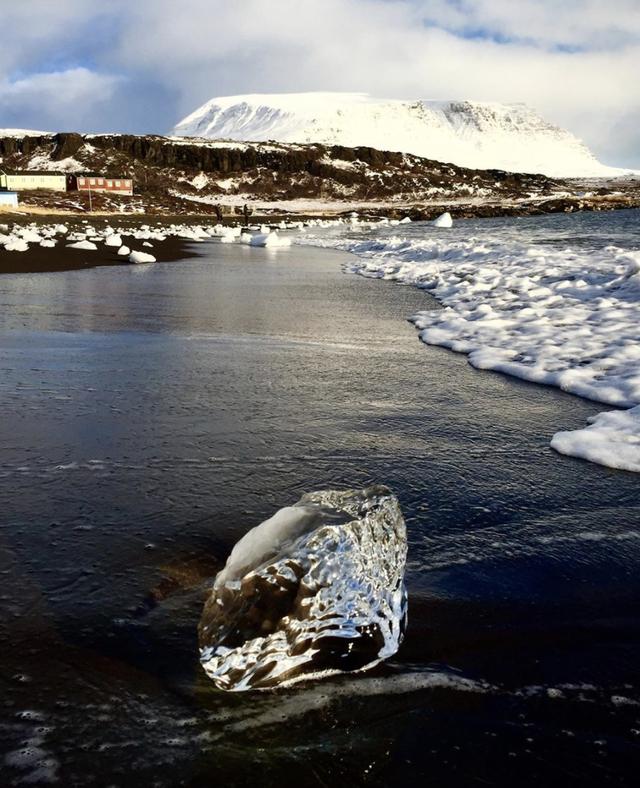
x: 152, y: 414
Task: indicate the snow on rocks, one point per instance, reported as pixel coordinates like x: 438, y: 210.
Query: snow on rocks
x: 124, y: 251
x: 444, y: 220
x: 317, y: 589
x: 113, y: 239
x: 141, y: 257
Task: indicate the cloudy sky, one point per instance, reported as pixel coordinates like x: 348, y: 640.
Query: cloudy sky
x: 141, y: 65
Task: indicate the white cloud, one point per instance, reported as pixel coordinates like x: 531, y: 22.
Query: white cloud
x: 569, y: 23
x: 576, y: 61
x: 61, y: 100
x: 404, y: 49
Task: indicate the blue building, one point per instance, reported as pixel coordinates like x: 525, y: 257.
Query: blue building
x: 8, y: 198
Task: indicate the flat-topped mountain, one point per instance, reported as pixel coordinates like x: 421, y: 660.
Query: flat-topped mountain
x: 472, y: 134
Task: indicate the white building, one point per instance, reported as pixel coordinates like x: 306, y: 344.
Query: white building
x: 22, y: 181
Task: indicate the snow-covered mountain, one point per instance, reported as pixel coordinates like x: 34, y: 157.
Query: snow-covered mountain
x: 469, y: 133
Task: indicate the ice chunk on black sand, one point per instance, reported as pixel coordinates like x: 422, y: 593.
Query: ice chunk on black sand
x: 317, y: 589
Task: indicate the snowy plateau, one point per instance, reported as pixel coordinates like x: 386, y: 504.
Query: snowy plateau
x: 472, y: 134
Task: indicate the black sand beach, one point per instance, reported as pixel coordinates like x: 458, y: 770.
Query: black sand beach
x: 153, y: 414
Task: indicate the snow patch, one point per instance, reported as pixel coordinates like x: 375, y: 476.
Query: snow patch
x: 200, y: 181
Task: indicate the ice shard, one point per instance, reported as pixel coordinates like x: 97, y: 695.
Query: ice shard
x: 317, y: 589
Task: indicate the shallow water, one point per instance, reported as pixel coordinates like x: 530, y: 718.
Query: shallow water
x: 152, y: 414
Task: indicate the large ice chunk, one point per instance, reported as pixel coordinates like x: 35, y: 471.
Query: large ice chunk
x: 86, y: 246
x: 269, y: 239
x: 444, y: 220
x: 317, y: 589
x: 141, y: 257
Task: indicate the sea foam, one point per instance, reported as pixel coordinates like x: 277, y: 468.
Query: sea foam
x: 565, y: 317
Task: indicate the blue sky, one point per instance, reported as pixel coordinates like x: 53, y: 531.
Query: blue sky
x: 141, y: 65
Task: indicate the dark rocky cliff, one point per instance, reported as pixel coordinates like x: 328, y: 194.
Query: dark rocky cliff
x: 182, y: 175
x: 292, y: 170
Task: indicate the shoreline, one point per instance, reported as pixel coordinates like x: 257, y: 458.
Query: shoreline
x: 38, y: 259
x: 171, y: 243
x: 148, y: 434
x: 477, y: 291
x: 61, y: 258
x: 302, y: 209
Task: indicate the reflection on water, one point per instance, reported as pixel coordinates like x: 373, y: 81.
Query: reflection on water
x: 152, y: 415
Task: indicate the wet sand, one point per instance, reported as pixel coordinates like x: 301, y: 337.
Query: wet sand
x: 61, y: 258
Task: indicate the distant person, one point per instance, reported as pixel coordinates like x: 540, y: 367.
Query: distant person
x: 247, y: 213
x: 218, y: 211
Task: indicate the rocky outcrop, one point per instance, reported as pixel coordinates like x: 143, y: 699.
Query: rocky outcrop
x: 290, y: 170
x: 178, y: 175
